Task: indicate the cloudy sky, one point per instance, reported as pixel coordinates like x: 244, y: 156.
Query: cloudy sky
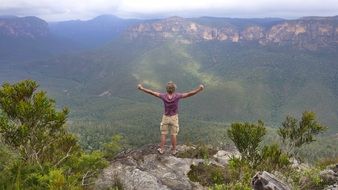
x: 52, y: 10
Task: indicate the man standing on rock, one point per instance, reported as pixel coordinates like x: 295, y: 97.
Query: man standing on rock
x: 170, y: 116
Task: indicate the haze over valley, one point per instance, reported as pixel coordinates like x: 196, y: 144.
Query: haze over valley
x: 264, y: 68
x: 258, y: 109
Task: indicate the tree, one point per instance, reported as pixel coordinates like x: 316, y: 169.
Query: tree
x: 115, y: 146
x: 294, y: 134
x: 247, y: 137
x: 30, y: 123
x: 49, y: 156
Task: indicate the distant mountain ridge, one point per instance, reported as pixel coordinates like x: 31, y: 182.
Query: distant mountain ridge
x: 94, y: 32
x: 29, y: 38
x: 310, y: 33
x: 23, y: 27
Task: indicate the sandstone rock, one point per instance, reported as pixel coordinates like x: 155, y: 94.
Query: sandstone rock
x: 222, y: 156
x: 144, y: 168
x: 296, y: 164
x: 330, y: 176
x: 332, y: 187
x: 335, y: 168
x: 266, y: 181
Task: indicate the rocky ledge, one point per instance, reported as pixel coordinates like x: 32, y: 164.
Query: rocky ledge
x: 330, y: 175
x: 145, y: 168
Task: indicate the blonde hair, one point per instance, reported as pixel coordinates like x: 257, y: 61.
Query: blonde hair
x: 171, y: 87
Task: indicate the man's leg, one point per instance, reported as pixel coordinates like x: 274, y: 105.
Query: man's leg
x: 164, y: 132
x: 173, y: 142
x: 162, y: 141
x: 174, y: 131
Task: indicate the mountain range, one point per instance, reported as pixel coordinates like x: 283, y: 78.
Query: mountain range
x: 252, y: 68
x: 305, y: 33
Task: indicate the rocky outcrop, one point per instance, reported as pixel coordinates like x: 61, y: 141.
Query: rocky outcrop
x: 180, y: 28
x: 144, y: 168
x: 305, y: 33
x: 23, y: 27
x: 330, y: 176
x: 310, y: 33
x: 267, y: 181
x: 223, y: 156
x: 332, y: 187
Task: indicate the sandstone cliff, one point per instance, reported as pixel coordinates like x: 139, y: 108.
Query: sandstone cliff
x: 309, y: 33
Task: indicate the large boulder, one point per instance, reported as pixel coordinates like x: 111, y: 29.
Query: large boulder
x: 267, y: 181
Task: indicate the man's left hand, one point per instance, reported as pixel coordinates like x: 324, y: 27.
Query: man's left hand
x: 139, y: 86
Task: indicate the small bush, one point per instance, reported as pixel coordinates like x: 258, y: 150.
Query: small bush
x: 294, y: 134
x: 272, y: 158
x: 240, y: 170
x: 307, y: 179
x: 311, y: 180
x: 56, y: 180
x: 322, y: 164
x: 200, y: 152
x: 232, y: 186
x: 208, y: 175
x: 247, y: 138
x: 115, y: 146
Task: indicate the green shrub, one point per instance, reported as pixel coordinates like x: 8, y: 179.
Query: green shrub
x: 272, y: 158
x: 113, y: 147
x: 247, y: 138
x: 208, y: 175
x: 307, y: 179
x: 232, y: 186
x: 240, y: 170
x: 30, y: 123
x: 294, y: 134
x: 37, y: 151
x: 57, y: 180
x: 323, y: 163
x: 200, y: 152
x: 311, y: 180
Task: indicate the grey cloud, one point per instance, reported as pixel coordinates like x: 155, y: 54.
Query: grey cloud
x: 77, y: 9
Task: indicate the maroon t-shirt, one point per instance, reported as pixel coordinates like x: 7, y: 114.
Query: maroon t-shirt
x: 170, y: 105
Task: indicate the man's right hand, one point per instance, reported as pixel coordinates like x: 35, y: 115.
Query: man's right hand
x: 201, y: 87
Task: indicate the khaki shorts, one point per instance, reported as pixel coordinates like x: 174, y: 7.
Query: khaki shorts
x: 169, y: 122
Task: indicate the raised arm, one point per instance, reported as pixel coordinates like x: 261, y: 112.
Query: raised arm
x: 148, y: 91
x: 193, y: 92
